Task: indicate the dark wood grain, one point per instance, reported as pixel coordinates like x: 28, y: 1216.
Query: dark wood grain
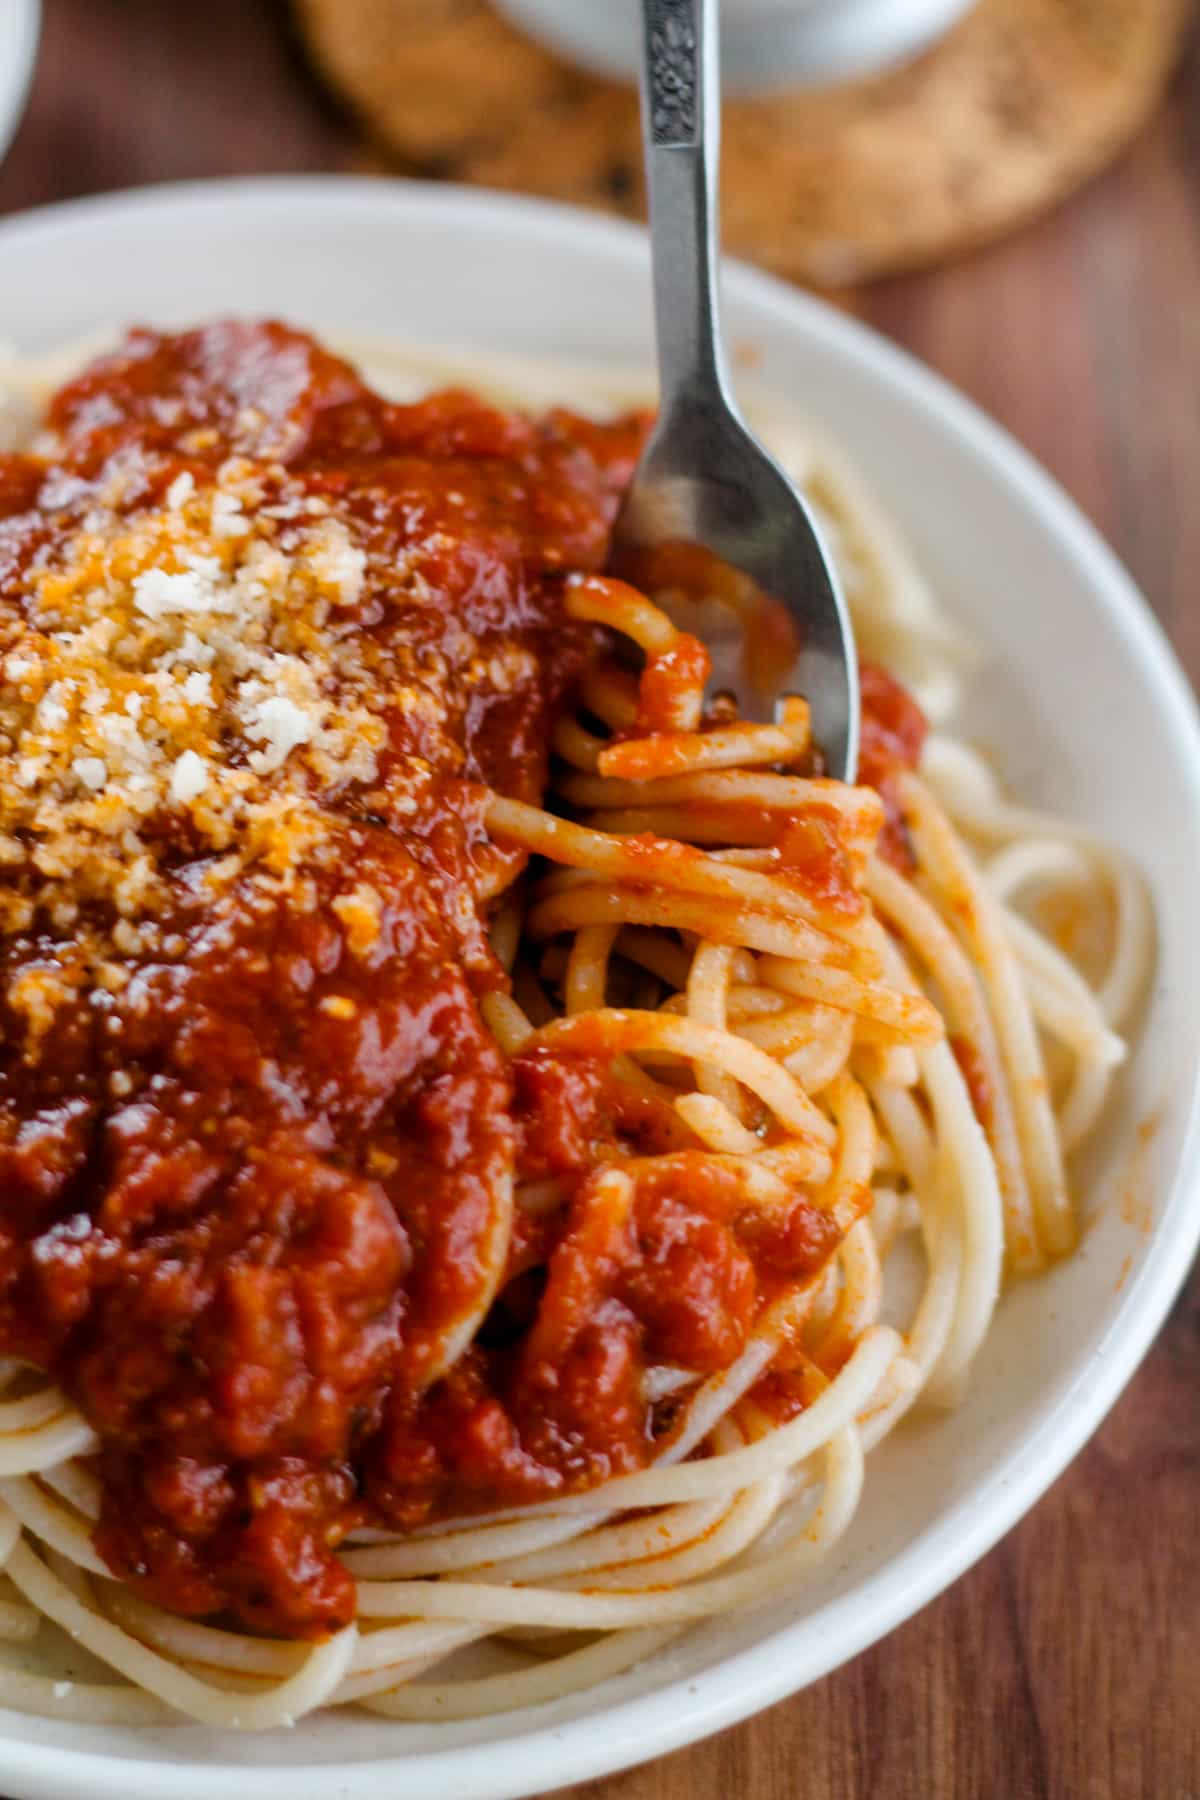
x: 1066, y: 1666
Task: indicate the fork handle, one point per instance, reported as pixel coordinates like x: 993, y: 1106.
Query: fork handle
x: 681, y: 122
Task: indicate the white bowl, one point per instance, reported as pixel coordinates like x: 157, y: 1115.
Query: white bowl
x: 765, y: 43
x: 1092, y: 716
x: 20, y: 28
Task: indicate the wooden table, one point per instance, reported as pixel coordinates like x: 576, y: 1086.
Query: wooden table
x: 1066, y: 1666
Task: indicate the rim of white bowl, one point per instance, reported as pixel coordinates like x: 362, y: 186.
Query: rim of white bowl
x: 695, y: 1707
x: 20, y: 33
x: 766, y: 44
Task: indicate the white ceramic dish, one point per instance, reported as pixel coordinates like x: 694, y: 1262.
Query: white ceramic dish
x: 1092, y: 716
x: 765, y: 43
x: 20, y: 28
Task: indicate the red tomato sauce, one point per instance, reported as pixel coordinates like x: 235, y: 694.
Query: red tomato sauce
x: 249, y: 1187
x: 893, y: 735
x: 978, y: 1079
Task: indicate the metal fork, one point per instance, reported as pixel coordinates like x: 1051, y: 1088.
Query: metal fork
x: 704, y: 479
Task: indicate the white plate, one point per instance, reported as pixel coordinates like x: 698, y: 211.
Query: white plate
x: 1094, y: 718
x: 20, y: 28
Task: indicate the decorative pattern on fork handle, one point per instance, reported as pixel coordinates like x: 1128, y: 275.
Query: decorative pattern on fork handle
x: 674, y: 84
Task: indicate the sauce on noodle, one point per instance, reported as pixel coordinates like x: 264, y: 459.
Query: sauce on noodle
x: 257, y: 1146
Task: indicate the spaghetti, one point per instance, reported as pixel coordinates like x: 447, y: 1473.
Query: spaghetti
x: 481, y: 1232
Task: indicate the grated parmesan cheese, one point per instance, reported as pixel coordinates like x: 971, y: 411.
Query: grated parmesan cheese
x: 92, y: 771
x: 180, y: 659
x: 180, y: 491
x: 338, y: 565
x: 361, y: 913
x: 189, y: 778
x: 158, y: 593
x: 227, y: 517
x: 282, y: 726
